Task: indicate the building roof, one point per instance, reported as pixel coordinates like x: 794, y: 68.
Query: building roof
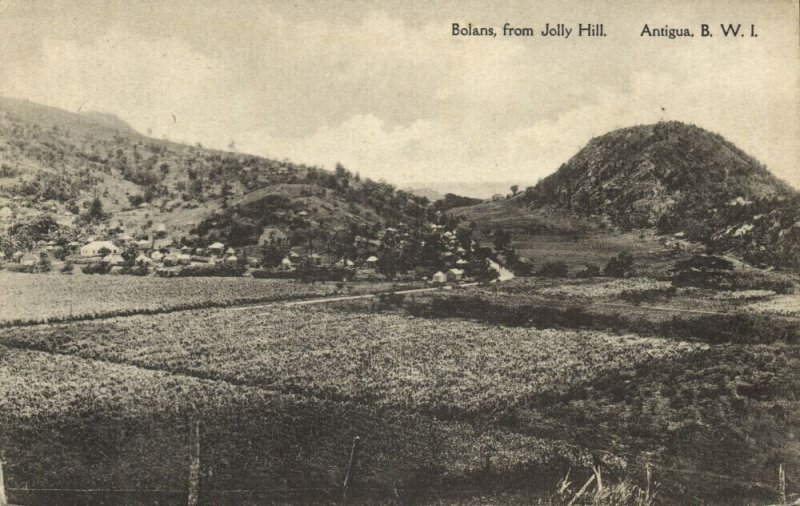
x: 373, y: 258
x: 217, y: 245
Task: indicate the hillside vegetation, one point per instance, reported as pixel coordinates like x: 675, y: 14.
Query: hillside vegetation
x: 53, y: 161
x: 673, y: 178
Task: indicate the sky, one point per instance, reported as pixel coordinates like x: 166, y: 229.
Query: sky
x: 385, y: 88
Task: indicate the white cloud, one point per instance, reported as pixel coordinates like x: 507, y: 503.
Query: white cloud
x: 406, y: 101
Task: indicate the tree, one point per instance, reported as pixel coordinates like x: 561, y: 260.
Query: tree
x: 95, y: 213
x: 388, y: 263
x: 514, y: 189
x: 129, y: 255
x: 273, y: 253
x: 502, y: 239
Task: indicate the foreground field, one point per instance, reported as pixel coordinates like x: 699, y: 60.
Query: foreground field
x: 442, y: 403
x: 70, y: 423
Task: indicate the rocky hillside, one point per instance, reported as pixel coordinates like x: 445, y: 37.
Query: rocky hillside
x: 56, y: 162
x: 638, y: 176
x: 677, y: 179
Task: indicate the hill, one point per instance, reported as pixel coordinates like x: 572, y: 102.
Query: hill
x: 671, y: 178
x: 56, y: 162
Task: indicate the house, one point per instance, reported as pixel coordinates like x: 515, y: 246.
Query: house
x: 16, y: 256
x: 230, y: 251
x: 315, y: 259
x: 439, y: 277
x: 157, y: 255
x: 142, y: 259
x: 144, y: 244
x: 372, y: 261
x: 184, y: 258
x: 161, y: 227
x: 231, y: 259
x: 216, y: 249
x: 94, y: 248
x: 455, y: 275
x: 286, y: 264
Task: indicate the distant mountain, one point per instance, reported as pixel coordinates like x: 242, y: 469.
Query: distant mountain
x: 675, y: 178
x: 55, y: 162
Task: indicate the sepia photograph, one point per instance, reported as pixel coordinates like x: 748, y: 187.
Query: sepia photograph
x: 422, y: 252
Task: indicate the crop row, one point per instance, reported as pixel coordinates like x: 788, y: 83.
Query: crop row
x: 449, y: 367
x: 69, y: 422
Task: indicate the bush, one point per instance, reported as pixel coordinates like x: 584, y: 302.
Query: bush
x: 591, y: 271
x: 96, y: 268
x: 736, y: 280
x: 67, y: 268
x: 553, y: 270
x: 619, y: 266
x: 14, y: 267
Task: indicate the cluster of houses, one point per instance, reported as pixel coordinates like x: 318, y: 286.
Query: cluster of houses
x: 160, y: 252
x: 156, y: 253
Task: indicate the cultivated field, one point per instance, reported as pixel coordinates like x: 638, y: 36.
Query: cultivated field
x: 32, y: 297
x: 462, y: 395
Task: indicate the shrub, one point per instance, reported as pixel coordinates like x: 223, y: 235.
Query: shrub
x: 735, y: 280
x: 619, y: 266
x: 96, y: 268
x: 591, y: 271
x: 553, y: 270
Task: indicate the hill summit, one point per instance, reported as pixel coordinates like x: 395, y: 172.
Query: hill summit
x: 640, y: 174
x: 680, y: 178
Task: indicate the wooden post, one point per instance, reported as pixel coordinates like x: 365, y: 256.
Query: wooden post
x: 350, y: 476
x: 194, y: 465
x: 3, y: 499
x: 647, y: 472
x: 781, y: 484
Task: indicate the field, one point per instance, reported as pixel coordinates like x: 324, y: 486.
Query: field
x: 33, y: 297
x: 452, y: 403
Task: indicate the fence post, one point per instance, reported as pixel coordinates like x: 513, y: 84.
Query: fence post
x: 649, y: 476
x: 194, y: 465
x: 782, y: 484
x: 350, y: 476
x: 3, y: 499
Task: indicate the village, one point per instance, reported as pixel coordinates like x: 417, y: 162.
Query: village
x: 435, y: 253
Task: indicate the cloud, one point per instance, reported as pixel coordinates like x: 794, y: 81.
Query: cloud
x: 391, y: 94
